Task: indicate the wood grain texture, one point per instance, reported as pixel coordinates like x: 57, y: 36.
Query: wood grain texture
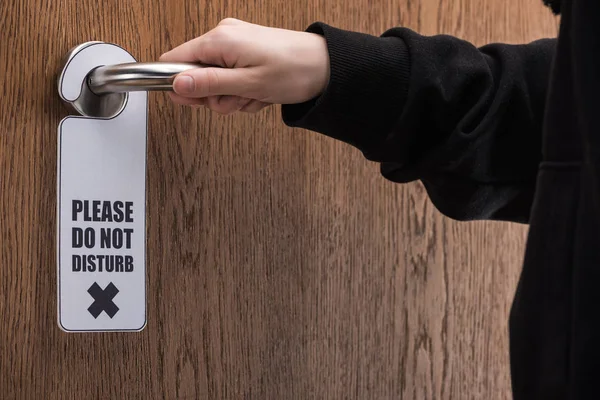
x: 281, y: 265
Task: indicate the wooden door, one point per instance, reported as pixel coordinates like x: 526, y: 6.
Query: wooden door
x: 281, y: 265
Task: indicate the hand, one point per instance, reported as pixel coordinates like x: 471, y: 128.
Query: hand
x: 255, y: 66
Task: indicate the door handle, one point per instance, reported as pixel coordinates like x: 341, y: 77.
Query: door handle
x: 104, y: 88
x: 134, y: 77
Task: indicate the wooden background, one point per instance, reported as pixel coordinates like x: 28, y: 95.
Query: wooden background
x: 280, y: 264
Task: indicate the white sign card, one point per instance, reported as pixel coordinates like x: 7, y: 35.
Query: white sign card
x: 101, y: 207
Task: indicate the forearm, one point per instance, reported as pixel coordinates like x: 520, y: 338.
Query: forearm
x: 466, y: 121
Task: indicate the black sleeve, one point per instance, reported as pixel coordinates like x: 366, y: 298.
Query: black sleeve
x: 466, y: 121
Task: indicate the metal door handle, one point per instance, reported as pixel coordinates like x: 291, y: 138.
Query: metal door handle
x: 104, y: 89
x: 135, y: 77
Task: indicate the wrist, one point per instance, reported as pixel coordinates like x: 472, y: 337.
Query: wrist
x: 308, y: 70
x: 321, y: 70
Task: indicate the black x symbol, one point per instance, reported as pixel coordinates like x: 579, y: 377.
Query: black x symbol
x: 103, y: 300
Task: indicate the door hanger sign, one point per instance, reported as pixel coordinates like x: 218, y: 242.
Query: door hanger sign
x: 101, y: 246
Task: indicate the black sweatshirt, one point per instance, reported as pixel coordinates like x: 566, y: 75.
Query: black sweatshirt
x: 501, y: 132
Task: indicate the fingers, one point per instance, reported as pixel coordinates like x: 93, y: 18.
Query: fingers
x: 221, y: 104
x: 225, y: 104
x: 205, y: 49
x: 223, y: 90
x: 205, y: 82
x: 186, y: 101
x: 186, y: 52
x: 230, y: 104
x: 254, y: 106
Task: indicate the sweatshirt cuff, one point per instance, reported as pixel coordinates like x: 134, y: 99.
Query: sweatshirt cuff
x: 366, y: 93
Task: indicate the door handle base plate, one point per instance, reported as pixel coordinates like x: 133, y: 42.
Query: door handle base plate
x: 86, y: 102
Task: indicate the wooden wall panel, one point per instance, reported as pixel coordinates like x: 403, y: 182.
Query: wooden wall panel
x: 281, y: 264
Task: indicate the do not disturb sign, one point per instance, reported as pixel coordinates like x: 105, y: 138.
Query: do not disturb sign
x: 101, y: 208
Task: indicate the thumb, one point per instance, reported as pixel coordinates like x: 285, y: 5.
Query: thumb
x: 212, y: 81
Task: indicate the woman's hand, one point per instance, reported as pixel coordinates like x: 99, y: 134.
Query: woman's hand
x: 255, y: 66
